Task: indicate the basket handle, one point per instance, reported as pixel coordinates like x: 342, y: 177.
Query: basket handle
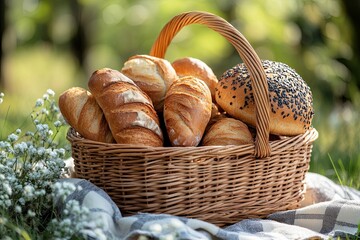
x: 247, y: 54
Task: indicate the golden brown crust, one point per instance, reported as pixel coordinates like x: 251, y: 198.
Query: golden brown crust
x: 227, y: 131
x: 187, y: 110
x: 290, y: 98
x: 189, y: 66
x: 139, y: 136
x: 80, y: 109
x: 125, y: 106
x: 153, y: 75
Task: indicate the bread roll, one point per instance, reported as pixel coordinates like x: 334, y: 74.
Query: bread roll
x: 228, y: 131
x: 187, y: 110
x: 216, y: 115
x: 153, y: 75
x: 290, y: 98
x: 80, y: 109
x: 128, y: 110
x: 195, y: 67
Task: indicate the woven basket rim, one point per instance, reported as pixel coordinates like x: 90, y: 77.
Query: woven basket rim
x: 309, y: 136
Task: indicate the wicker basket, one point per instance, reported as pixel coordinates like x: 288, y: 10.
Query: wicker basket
x: 218, y: 184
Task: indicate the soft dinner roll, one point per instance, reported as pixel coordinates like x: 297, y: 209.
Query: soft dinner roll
x: 195, y: 67
x: 187, y: 111
x: 290, y: 98
x: 228, y: 131
x: 153, y: 75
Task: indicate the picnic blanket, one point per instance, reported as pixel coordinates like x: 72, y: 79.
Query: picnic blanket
x: 328, y: 211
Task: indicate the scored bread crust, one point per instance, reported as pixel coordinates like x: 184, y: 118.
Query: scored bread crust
x: 187, y: 110
x: 152, y: 75
x: 189, y: 66
x: 227, y: 131
x: 126, y: 107
x: 291, y: 103
x: 81, y: 111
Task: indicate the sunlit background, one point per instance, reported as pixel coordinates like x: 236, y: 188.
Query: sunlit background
x: 58, y: 44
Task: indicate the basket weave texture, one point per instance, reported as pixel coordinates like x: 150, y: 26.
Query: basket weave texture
x: 218, y: 184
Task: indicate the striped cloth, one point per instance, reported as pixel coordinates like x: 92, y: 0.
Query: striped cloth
x: 329, y: 211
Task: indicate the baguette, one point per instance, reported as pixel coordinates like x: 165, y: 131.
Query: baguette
x: 187, y: 111
x: 128, y: 110
x: 153, y: 75
x: 81, y: 111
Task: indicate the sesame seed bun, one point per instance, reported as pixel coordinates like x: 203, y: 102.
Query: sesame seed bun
x: 291, y: 105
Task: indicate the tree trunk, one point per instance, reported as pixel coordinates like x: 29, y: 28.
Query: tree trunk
x: 2, y: 30
x: 78, y: 41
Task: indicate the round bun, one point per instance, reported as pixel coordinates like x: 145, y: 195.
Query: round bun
x: 291, y: 104
x: 152, y: 75
x: 194, y: 67
x: 228, y: 131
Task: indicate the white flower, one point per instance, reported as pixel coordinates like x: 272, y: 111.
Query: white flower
x: 50, y: 92
x: 7, y: 188
x: 13, y: 137
x: 20, y: 147
x: 18, y: 209
x: 57, y: 123
x: 39, y: 102
x: 45, y: 111
x: 31, y: 213
x: 29, y: 191
x: 46, y: 96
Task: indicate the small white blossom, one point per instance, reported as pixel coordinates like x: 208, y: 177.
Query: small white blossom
x: 46, y: 97
x: 39, y: 102
x: 20, y: 147
x: 45, y: 111
x: 50, y: 92
x: 12, y: 137
x: 31, y: 213
x: 18, y: 209
x: 57, y: 124
x: 7, y: 188
x: 29, y: 192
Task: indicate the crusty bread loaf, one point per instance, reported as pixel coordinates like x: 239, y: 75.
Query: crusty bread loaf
x: 187, y: 110
x: 227, y: 131
x: 128, y: 110
x: 153, y: 75
x: 81, y: 111
x: 290, y: 98
x: 216, y: 115
x: 189, y: 66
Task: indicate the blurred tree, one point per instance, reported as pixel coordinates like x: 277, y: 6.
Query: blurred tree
x: 352, y: 9
x: 79, y: 44
x: 2, y: 30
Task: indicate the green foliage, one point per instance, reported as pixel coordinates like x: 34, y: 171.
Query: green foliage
x: 31, y: 163
x: 315, y: 38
